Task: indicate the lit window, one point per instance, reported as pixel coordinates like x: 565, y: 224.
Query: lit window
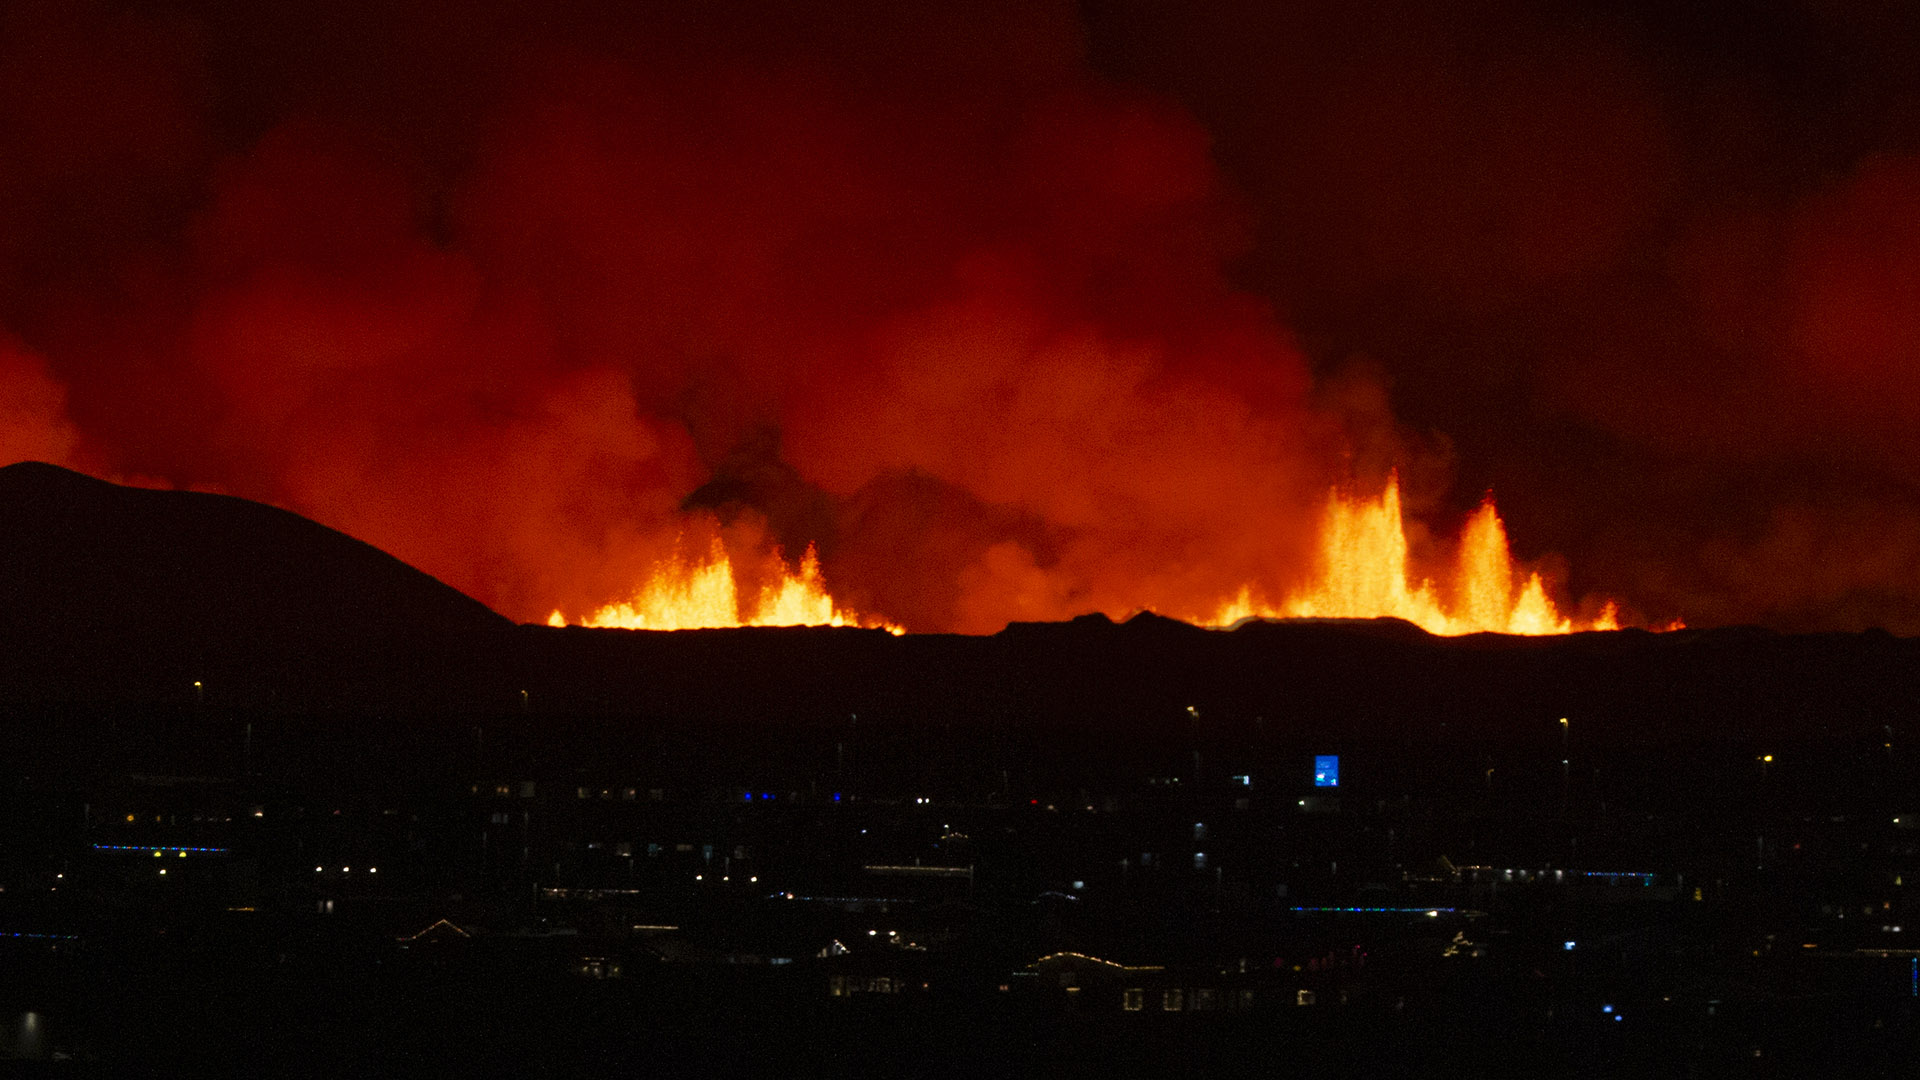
x: 1173, y: 1000
x: 1326, y: 770
x: 1133, y: 1000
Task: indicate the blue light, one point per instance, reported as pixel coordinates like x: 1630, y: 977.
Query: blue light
x: 1616, y: 877
x: 157, y: 847
x: 1568, y: 946
x: 836, y: 796
x: 1326, y: 770
x: 1606, y: 1009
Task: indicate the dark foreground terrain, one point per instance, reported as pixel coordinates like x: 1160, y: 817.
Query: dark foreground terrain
x: 272, y: 803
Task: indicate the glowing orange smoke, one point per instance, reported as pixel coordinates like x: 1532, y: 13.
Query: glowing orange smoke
x: 700, y: 594
x: 1365, y: 572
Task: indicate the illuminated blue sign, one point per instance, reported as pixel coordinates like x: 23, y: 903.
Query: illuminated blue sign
x: 1326, y: 770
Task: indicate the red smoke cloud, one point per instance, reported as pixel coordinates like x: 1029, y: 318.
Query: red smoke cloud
x: 965, y: 331
x: 983, y: 303
x: 33, y: 422
x: 1649, y: 267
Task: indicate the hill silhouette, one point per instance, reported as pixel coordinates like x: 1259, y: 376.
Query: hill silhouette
x: 121, y: 597
x: 118, y: 593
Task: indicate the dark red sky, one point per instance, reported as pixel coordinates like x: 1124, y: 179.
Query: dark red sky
x: 1014, y: 313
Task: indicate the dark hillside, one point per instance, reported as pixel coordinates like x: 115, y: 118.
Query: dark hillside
x: 123, y: 598
x: 110, y: 593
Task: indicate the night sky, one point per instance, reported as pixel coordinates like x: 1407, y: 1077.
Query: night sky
x: 1017, y: 311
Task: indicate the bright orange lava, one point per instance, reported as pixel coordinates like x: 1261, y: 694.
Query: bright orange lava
x: 693, y: 595
x: 1365, y: 572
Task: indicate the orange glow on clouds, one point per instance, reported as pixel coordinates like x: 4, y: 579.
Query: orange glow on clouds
x: 1365, y: 571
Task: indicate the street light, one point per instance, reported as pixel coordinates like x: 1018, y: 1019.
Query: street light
x: 1566, y: 766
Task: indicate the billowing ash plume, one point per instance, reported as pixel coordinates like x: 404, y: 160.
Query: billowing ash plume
x: 982, y: 303
x: 1652, y: 268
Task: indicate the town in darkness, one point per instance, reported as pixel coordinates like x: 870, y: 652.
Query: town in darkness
x: 1114, y: 537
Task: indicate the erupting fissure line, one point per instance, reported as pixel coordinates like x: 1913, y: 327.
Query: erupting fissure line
x: 1365, y: 572
x: 701, y: 594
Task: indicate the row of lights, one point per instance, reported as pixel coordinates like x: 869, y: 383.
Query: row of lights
x: 158, y: 849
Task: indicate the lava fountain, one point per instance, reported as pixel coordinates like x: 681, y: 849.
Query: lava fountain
x: 1365, y: 571
x: 695, y: 594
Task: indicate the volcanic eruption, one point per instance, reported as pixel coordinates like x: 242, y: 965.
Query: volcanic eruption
x: 1363, y: 571
x: 941, y: 321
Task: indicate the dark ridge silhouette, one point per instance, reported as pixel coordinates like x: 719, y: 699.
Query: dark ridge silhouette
x: 119, y: 597
x: 118, y: 593
x: 1093, y: 688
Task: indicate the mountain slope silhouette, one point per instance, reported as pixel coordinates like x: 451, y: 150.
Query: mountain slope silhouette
x: 110, y: 592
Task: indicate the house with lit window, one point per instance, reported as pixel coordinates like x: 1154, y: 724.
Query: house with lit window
x: 1080, y: 982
